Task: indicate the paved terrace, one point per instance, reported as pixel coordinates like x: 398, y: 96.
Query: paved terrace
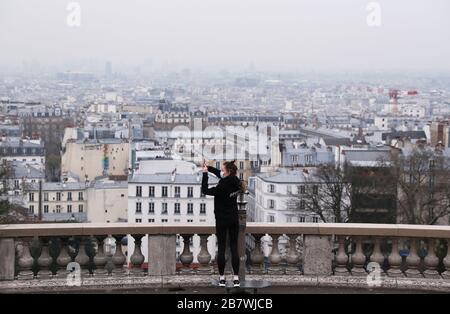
x: 299, y: 257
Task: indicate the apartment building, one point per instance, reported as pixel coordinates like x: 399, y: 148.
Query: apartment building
x: 89, y: 159
x: 274, y: 192
x: 58, y: 201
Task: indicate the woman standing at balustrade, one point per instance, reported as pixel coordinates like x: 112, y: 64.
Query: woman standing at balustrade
x: 226, y: 212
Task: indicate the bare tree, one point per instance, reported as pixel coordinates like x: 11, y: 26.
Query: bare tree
x: 338, y: 194
x: 324, y: 193
x: 423, y: 181
x: 6, y: 173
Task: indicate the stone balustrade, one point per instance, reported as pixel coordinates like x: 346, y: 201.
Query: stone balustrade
x: 52, y: 251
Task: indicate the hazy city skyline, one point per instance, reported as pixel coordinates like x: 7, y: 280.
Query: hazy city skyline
x: 271, y: 35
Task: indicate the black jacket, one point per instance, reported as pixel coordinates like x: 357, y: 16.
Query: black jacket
x: 225, y: 194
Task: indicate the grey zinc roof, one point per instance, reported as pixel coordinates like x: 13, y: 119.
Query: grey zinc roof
x: 367, y: 155
x: 337, y: 141
x: 110, y: 184
x: 57, y: 186
x: 286, y: 177
x: 21, y: 170
x: 15, y: 143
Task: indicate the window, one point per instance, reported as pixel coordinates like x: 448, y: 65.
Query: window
x: 177, y: 191
x: 151, y: 208
x: 16, y: 184
x: 45, y: 208
x: 301, y: 219
x: 271, y: 204
x: 302, y: 204
x: 151, y: 191
x: 288, y: 219
x: 80, y: 208
x: 241, y: 176
x: 31, y: 197
x: 151, y: 220
x: 315, y: 219
x: 138, y: 220
x: 190, y: 220
x: 31, y: 209
x: 270, y: 218
x: 164, y: 191
x: 190, y: 191
x: 138, y: 207
x: 302, y: 189
x: 58, y: 208
x: 308, y: 159
x: 271, y: 188
x: 69, y: 208
x: 202, y: 209
x: 58, y: 196
x: 46, y: 197
x: 80, y: 196
x: 218, y: 164
x: 164, y: 209
x: 315, y: 189
x: 164, y: 220
x: 241, y: 165
x: 138, y: 190
x: 69, y: 196
x: 190, y: 208
x: 177, y: 208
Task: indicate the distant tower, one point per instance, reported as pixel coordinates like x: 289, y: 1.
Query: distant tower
x: 393, y: 100
x: 108, y: 69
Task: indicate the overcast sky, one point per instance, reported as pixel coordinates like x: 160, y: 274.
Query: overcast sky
x: 271, y: 34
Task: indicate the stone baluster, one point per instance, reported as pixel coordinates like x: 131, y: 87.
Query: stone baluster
x: 63, y: 258
x: 109, y: 246
x: 395, y: 261
x: 358, y: 259
x: 275, y: 256
x: 71, y: 248
x: 377, y: 256
x: 186, y: 257
x: 257, y: 257
x: 137, y: 258
x: 44, y: 260
x: 413, y: 261
x: 203, y: 257
x: 446, y: 261
x: 292, y: 257
x: 341, y: 259
x: 100, y: 259
x: 82, y: 258
x: 431, y: 261
x: 25, y: 259
x: 118, y: 259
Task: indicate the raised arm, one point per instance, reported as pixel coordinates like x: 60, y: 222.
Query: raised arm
x: 214, y: 171
x: 209, y: 191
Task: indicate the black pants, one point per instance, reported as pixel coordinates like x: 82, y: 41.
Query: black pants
x: 232, y: 227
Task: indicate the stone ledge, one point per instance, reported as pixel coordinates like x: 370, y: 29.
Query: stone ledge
x: 192, y: 281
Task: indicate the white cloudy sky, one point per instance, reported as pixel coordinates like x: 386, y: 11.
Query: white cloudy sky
x: 316, y: 34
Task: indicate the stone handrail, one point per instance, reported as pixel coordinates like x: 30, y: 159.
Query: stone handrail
x: 348, y: 229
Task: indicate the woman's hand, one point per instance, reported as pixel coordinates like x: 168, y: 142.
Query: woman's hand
x: 205, y: 168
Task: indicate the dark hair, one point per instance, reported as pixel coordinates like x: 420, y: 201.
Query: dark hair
x: 231, y: 167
